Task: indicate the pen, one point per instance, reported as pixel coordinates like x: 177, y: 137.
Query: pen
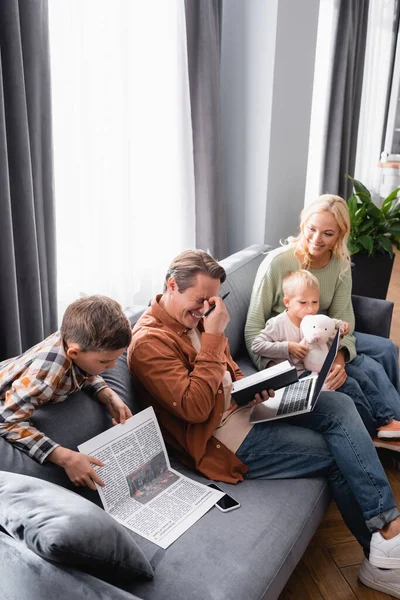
x: 214, y: 305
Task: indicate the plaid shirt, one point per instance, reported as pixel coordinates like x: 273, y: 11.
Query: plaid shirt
x: 42, y: 374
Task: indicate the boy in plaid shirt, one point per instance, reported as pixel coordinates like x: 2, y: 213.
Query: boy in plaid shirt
x: 94, y: 333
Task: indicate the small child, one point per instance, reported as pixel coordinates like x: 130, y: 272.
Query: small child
x: 281, y: 337
x: 94, y: 333
x: 280, y: 340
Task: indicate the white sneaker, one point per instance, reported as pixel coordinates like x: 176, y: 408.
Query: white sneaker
x: 385, y: 553
x: 383, y: 580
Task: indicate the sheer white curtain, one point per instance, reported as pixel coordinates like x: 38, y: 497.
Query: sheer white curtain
x: 375, y: 88
x: 124, y: 176
x: 327, y: 27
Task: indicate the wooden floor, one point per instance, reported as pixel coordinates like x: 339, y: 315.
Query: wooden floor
x: 329, y: 567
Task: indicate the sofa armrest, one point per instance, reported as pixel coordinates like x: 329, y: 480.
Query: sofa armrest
x: 372, y: 315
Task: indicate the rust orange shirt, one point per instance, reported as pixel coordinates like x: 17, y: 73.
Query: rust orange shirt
x: 185, y: 389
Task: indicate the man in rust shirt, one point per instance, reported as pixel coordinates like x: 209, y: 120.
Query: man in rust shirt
x: 183, y: 368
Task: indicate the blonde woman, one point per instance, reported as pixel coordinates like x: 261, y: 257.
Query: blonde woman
x: 321, y: 247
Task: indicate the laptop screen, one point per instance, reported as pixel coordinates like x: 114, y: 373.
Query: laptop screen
x: 330, y: 357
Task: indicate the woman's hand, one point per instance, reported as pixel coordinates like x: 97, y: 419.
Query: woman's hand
x: 344, y: 328
x: 337, y: 375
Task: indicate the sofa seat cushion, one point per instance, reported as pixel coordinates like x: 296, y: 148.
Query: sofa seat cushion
x: 247, y: 553
x: 60, y: 526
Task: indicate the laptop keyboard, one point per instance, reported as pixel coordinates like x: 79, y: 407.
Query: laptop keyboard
x: 295, y: 397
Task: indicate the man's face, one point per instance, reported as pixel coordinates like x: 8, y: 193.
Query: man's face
x: 189, y: 306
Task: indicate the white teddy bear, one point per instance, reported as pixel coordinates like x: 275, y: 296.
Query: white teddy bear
x: 317, y: 332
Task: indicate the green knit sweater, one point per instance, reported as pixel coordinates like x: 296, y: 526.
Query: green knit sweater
x: 267, y: 297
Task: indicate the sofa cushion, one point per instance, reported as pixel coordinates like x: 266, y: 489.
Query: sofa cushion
x: 26, y: 576
x: 247, y: 553
x: 245, y: 363
x: 60, y: 526
x: 120, y: 380
x: 68, y: 423
x: 241, y: 269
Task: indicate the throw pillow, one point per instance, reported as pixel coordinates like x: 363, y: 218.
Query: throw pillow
x: 26, y: 576
x: 63, y: 527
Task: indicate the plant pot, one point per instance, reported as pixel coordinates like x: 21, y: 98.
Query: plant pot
x: 371, y: 274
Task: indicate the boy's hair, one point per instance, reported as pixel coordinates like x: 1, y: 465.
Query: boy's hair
x: 188, y: 264
x: 96, y: 323
x: 295, y: 281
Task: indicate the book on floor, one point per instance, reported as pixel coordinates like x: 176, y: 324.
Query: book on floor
x: 273, y: 378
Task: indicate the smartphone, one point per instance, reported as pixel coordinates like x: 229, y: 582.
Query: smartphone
x: 226, y: 503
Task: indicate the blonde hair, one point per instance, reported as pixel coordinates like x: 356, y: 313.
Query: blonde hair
x: 185, y: 267
x: 295, y: 281
x: 338, y: 208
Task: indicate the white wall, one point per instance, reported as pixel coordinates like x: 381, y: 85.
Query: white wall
x: 247, y: 63
x: 267, y: 66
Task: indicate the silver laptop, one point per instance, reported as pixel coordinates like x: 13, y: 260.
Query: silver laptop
x: 298, y: 398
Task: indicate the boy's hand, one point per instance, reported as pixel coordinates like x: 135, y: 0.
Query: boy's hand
x: 116, y: 407
x: 77, y: 466
x: 297, y: 350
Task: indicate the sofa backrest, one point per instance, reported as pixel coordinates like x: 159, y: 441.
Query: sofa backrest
x: 241, y: 269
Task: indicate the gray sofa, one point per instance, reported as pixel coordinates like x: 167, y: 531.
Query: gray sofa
x: 248, y: 553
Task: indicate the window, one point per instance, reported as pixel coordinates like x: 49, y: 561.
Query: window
x: 124, y: 182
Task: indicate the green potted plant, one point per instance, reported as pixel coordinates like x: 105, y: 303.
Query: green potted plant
x: 373, y: 233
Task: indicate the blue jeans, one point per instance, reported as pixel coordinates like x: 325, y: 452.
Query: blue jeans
x: 383, y: 351
x: 368, y: 385
x: 330, y: 441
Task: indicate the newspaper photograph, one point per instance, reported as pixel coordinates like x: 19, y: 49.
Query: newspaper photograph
x: 142, y: 491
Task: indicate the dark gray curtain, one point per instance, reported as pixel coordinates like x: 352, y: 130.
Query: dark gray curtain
x: 27, y: 239
x: 395, y: 34
x: 203, y: 26
x: 345, y: 100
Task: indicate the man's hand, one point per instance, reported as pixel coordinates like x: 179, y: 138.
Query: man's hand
x: 337, y: 375
x: 116, y: 407
x: 77, y: 466
x: 218, y: 319
x: 262, y: 397
x: 297, y: 350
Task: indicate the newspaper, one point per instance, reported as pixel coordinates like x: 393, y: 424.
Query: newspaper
x: 141, y: 490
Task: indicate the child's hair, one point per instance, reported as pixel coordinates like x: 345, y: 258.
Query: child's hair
x: 188, y: 264
x: 338, y: 208
x: 96, y: 323
x: 295, y: 281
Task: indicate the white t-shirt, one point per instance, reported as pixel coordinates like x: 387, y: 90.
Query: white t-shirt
x: 235, y: 421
